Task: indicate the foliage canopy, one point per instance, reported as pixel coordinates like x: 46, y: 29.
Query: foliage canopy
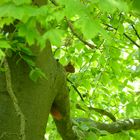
x: 101, y: 38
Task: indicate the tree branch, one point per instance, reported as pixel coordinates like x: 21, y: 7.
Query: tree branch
x: 124, y: 35
x: 114, y: 127
x: 61, y: 104
x: 136, y: 32
x: 131, y: 40
x: 73, y: 30
x: 75, y: 89
x: 14, y: 100
x: 101, y: 111
x: 104, y: 112
x: 77, y: 35
x: 54, y: 2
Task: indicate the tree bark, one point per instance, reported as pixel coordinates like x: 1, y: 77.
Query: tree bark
x: 34, y: 99
x: 24, y: 104
x: 114, y: 127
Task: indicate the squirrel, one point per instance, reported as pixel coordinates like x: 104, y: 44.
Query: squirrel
x: 69, y: 68
x: 55, y: 112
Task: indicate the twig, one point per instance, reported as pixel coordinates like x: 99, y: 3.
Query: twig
x: 124, y: 35
x: 14, y: 100
x: 77, y: 35
x: 136, y: 32
x: 73, y: 30
x: 54, y: 2
x: 131, y: 40
x: 101, y: 111
x: 75, y: 89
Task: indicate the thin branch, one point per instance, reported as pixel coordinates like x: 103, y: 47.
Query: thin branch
x: 73, y: 30
x: 75, y: 89
x: 14, y: 100
x: 70, y: 25
x: 54, y: 2
x: 136, y: 32
x: 101, y: 111
x: 124, y: 35
x: 131, y: 40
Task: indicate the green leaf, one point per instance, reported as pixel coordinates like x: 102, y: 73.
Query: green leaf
x: 2, y: 54
x: 4, y: 44
x: 73, y: 7
x: 17, y: 2
x: 121, y: 29
x: 122, y: 136
x: 86, y: 84
x: 105, y: 78
x: 90, y: 28
x: 136, y: 5
x: 26, y: 50
x: 123, y: 98
x: 36, y: 73
x: 131, y: 108
x: 112, y: 5
x: 54, y: 35
x: 137, y: 135
x: 28, y: 60
x: 22, y: 12
x: 28, y: 31
x: 5, y: 21
x: 108, y: 137
x: 116, y: 67
x: 91, y: 136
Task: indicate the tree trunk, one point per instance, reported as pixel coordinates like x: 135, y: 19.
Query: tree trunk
x: 34, y: 99
x: 25, y: 106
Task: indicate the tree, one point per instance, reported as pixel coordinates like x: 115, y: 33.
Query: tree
x: 91, y: 45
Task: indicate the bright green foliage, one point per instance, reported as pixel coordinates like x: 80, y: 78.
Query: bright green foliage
x: 17, y: 2
x: 36, y: 73
x: 136, y: 6
x: 4, y: 44
x: 107, y: 76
